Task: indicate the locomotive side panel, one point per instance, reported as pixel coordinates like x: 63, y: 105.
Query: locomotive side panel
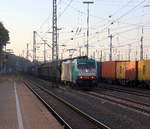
x: 66, y: 72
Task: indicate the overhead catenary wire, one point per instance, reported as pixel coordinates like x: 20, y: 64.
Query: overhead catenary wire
x: 121, y: 8
x: 129, y: 11
x: 68, y: 5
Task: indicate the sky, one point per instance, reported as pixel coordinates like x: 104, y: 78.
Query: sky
x: 21, y: 18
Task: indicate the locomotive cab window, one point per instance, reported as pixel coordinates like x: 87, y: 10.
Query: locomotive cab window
x: 86, y: 65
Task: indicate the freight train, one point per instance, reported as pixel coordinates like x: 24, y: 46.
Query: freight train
x: 88, y: 72
x: 78, y: 71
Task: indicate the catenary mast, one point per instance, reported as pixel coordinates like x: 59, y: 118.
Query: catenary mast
x: 54, y: 34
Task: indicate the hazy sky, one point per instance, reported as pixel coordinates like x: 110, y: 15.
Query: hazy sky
x: 22, y: 17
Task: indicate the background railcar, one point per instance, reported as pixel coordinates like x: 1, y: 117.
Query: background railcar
x: 144, y: 72
x: 108, y: 71
x: 44, y: 71
x: 50, y: 71
x: 126, y: 72
x: 120, y: 72
x: 131, y: 72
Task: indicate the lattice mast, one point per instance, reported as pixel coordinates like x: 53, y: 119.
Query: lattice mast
x: 54, y: 34
x: 34, y: 46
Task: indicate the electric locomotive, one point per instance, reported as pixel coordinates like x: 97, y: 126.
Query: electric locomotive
x: 79, y: 72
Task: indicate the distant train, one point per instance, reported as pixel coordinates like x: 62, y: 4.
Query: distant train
x: 88, y: 72
x: 14, y: 64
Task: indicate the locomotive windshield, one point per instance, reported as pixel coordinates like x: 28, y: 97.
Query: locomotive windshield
x: 86, y: 65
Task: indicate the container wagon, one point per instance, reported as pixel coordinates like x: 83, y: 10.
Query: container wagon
x: 109, y: 71
x: 144, y: 72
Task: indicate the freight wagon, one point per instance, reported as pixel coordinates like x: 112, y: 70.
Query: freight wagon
x: 108, y: 69
x: 50, y: 71
x: 144, y: 72
x: 126, y: 72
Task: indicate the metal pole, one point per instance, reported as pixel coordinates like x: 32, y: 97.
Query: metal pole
x: 141, y: 52
x: 88, y: 2
x: 110, y: 36
x: 79, y: 51
x: 27, y: 51
x: 88, y: 30
x: 54, y: 34
x: 129, y: 52
x: 44, y: 52
x: 34, y: 46
x: 101, y: 56
x: 110, y: 47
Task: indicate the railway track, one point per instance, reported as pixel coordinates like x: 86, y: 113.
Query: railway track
x: 132, y: 104
x: 132, y: 92
x: 69, y: 115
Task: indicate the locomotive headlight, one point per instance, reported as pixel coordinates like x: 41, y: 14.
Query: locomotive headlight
x: 93, y: 77
x: 80, y: 77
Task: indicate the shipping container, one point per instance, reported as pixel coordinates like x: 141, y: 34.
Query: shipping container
x: 120, y: 70
x: 109, y: 69
x: 131, y: 70
x: 144, y: 70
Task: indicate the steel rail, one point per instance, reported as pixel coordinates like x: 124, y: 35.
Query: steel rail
x: 119, y: 102
x: 56, y: 115
x: 128, y: 91
x: 86, y: 116
x: 125, y: 99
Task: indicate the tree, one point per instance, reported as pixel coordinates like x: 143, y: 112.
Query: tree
x: 4, y: 35
x: 4, y: 38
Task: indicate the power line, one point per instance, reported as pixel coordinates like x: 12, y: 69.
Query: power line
x: 121, y: 8
x: 129, y: 11
x: 43, y: 23
x: 68, y: 5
